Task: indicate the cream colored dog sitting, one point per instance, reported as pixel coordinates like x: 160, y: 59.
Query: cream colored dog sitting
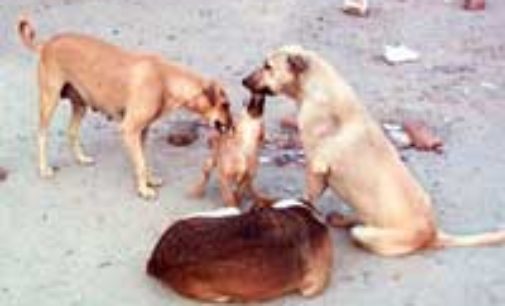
x: 235, y: 157
x: 348, y: 152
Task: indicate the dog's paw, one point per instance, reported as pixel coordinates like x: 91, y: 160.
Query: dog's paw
x: 147, y: 193
x: 154, y: 181
x: 47, y: 172
x: 85, y: 160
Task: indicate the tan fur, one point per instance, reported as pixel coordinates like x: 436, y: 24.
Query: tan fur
x: 257, y: 255
x: 133, y: 88
x: 234, y: 155
x: 348, y: 152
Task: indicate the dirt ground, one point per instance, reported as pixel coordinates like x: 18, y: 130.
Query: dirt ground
x: 83, y: 237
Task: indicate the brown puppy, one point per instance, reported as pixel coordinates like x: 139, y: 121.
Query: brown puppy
x: 235, y: 156
x: 348, y: 152
x: 225, y: 256
x: 133, y: 88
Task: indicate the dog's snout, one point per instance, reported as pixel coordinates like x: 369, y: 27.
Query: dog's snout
x: 223, y: 127
x: 248, y: 81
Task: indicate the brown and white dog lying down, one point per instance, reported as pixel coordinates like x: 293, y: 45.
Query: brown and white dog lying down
x: 234, y: 155
x: 347, y: 151
x: 130, y: 87
x: 225, y: 256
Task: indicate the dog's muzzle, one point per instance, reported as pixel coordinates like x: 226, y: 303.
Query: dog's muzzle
x: 222, y: 127
x: 251, y: 83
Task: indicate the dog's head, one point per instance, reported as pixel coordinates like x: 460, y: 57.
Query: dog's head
x: 217, y: 107
x: 280, y: 72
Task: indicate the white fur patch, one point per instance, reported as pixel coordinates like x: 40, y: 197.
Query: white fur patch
x: 218, y: 213
x: 292, y: 49
x: 287, y: 203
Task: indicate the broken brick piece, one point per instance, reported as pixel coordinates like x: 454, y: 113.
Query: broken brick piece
x: 356, y: 7
x: 422, y: 137
x: 474, y: 5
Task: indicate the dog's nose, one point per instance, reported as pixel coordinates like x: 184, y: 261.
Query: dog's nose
x: 247, y: 81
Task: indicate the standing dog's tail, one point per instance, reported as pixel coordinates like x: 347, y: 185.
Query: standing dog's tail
x: 27, y: 34
x: 445, y: 240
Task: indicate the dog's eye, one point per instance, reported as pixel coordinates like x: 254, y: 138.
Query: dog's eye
x: 226, y: 105
x: 267, y: 66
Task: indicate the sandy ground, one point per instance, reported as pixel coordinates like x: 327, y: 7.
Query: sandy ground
x: 83, y: 237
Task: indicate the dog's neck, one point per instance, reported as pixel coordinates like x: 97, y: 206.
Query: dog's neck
x: 196, y: 101
x: 249, y: 132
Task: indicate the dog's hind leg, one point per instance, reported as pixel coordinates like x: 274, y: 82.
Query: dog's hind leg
x: 319, y: 268
x: 78, y: 112
x: 198, y: 190
x: 260, y: 200
x: 389, y: 242
x: 228, y: 195
x: 49, y: 97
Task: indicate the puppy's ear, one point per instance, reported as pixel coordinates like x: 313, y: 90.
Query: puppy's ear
x: 306, y: 202
x: 298, y: 64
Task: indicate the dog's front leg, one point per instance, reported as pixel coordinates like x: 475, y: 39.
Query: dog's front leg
x: 152, y: 180
x: 227, y: 193
x: 132, y: 141
x: 198, y: 190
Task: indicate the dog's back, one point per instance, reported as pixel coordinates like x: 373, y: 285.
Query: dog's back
x: 258, y: 255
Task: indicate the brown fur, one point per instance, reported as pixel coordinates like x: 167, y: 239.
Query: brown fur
x: 133, y: 88
x: 258, y: 255
x: 235, y: 157
x: 348, y: 152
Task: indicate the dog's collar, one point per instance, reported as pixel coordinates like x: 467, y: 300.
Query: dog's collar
x: 217, y: 213
x: 289, y: 203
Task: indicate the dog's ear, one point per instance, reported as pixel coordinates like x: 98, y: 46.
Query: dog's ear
x: 297, y: 64
x: 306, y: 202
x: 213, y: 91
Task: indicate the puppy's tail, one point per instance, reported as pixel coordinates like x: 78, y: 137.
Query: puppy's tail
x: 445, y: 240
x: 27, y: 34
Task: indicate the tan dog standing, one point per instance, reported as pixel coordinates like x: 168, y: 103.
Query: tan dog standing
x: 133, y: 88
x: 235, y: 156
x: 225, y: 256
x: 348, y: 152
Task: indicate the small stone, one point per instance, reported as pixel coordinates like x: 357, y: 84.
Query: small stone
x: 288, y: 143
x: 399, y: 54
x: 104, y: 264
x: 3, y: 174
x: 356, y: 7
x: 265, y: 159
x: 422, y: 137
x: 183, y: 133
x: 397, y: 135
x: 289, y: 123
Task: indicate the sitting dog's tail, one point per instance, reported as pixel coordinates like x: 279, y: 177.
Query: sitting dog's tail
x: 445, y: 240
x: 27, y: 34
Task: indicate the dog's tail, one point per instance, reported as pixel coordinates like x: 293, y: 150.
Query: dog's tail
x: 27, y: 34
x: 445, y: 240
